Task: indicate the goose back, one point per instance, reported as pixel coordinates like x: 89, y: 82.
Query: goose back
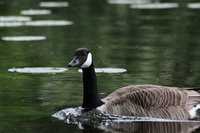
x: 152, y: 101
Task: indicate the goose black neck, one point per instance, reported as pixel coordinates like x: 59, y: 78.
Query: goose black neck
x: 91, y: 98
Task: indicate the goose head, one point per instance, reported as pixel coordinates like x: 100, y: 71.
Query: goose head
x: 82, y: 58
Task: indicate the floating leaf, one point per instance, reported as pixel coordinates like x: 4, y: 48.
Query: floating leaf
x: 35, y: 12
x: 38, y: 70
x: 193, y: 5
x: 24, y: 38
x: 49, y: 23
x: 36, y: 23
x: 14, y: 18
x: 155, y: 6
x: 127, y: 1
x: 108, y: 70
x: 54, y: 4
x: 11, y: 24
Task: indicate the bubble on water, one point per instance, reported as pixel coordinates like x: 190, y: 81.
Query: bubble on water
x: 108, y: 70
x: 35, y: 12
x: 23, y: 38
x: 38, y: 70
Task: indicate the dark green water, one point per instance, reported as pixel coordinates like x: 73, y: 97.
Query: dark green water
x: 155, y: 46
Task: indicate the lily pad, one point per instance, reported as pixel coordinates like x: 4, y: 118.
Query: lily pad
x: 23, y: 38
x: 193, y: 5
x: 155, y: 6
x: 11, y: 24
x: 14, y: 18
x: 38, y: 70
x: 108, y: 70
x: 54, y: 4
x: 35, y: 12
x: 49, y: 23
x: 127, y: 1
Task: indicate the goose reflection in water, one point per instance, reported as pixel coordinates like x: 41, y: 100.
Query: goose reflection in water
x: 143, y: 127
x: 95, y: 121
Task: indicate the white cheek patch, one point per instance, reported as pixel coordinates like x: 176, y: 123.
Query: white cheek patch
x: 88, y: 62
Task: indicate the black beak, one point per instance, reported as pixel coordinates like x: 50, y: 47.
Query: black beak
x: 69, y: 65
x: 76, y: 62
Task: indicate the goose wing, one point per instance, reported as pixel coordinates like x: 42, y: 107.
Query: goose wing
x: 152, y: 101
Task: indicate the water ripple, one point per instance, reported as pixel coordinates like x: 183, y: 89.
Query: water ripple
x: 97, y: 121
x: 76, y: 115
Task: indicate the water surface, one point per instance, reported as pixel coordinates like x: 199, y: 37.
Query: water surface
x: 155, y: 46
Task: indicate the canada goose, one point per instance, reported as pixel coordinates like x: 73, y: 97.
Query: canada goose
x: 136, y: 100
